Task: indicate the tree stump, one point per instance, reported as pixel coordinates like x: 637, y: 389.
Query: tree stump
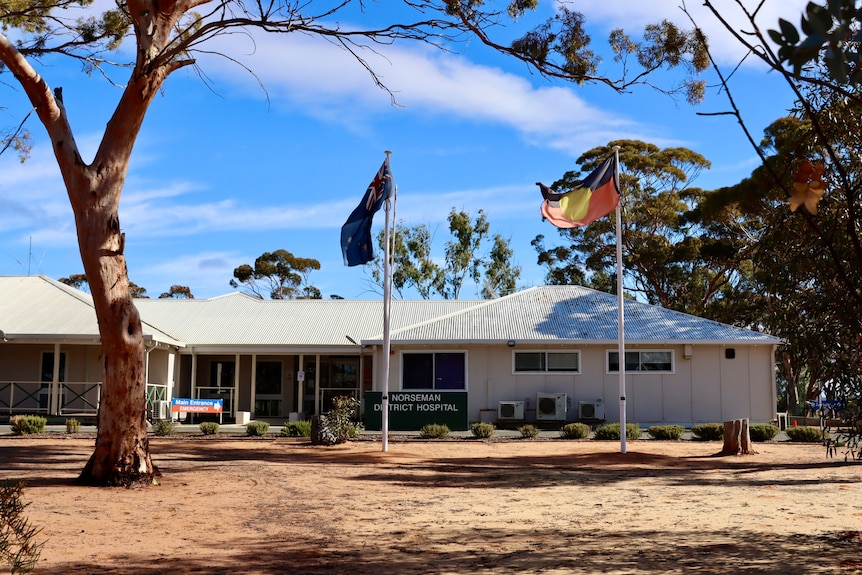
x: 737, y: 440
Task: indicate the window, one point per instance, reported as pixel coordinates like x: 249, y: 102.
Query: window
x: 441, y: 371
x: 48, y: 366
x: 547, y: 361
x: 642, y: 361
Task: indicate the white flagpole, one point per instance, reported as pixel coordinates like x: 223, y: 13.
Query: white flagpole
x: 387, y: 298
x: 621, y: 344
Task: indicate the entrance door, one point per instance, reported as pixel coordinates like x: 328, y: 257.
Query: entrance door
x: 268, y: 392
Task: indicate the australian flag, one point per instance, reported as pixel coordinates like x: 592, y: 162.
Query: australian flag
x: 356, y: 243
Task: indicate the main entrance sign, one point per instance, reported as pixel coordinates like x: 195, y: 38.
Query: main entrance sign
x: 411, y: 410
x: 187, y: 405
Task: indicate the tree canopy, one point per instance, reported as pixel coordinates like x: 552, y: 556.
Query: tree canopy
x: 277, y: 275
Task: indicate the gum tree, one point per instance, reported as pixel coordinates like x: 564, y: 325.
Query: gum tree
x: 165, y: 35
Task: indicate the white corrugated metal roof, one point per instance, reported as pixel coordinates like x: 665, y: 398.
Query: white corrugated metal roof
x: 557, y: 314
x: 241, y: 320
x: 37, y: 307
x: 41, y: 307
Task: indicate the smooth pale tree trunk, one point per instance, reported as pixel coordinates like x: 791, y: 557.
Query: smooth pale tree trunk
x: 737, y: 439
x: 121, y: 455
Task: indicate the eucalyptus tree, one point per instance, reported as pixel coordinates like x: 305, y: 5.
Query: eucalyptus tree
x: 671, y: 257
x: 277, y: 275
x: 166, y: 35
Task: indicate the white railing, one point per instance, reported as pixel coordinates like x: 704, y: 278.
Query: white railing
x: 63, y: 398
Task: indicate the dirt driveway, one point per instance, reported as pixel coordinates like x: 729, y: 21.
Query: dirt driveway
x: 266, y: 506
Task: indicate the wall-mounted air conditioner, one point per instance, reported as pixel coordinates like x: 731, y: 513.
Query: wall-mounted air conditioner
x: 551, y: 406
x: 162, y: 410
x: 510, y: 411
x: 591, y: 409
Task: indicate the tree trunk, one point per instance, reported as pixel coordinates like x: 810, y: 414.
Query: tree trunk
x: 121, y: 455
x: 737, y: 440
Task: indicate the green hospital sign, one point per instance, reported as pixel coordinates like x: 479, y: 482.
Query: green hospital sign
x: 411, y: 410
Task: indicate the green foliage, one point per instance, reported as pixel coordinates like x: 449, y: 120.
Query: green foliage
x: 18, y: 548
x: 296, y: 429
x: 576, y: 430
x: 73, y: 425
x: 27, y: 424
x: 257, y: 428
x: 528, y: 431
x: 762, y: 432
x: 804, y: 434
x: 164, y: 427
x: 337, y: 425
x: 278, y: 275
x: 612, y: 431
x: 434, y: 431
x: 708, y: 431
x: 483, y: 430
x: 672, y: 432
x: 209, y: 427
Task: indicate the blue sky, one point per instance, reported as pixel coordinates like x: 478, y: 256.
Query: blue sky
x: 226, y: 170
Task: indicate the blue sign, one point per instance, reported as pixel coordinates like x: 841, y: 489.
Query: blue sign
x: 186, y: 405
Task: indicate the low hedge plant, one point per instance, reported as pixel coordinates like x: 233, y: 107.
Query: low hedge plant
x: 27, y: 424
x: 209, y: 427
x: 708, y: 431
x: 575, y: 431
x: 483, y: 430
x: 612, y: 431
x: 164, y: 427
x: 804, y: 434
x: 257, y: 428
x: 296, y: 429
x: 666, y: 432
x: 762, y: 432
x: 434, y: 431
x: 528, y: 431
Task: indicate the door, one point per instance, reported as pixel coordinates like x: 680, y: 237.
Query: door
x: 268, y: 390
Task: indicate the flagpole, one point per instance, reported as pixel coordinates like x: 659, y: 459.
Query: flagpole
x: 387, y: 298
x: 621, y: 344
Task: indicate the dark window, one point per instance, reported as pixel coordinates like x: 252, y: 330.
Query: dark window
x: 434, y: 371
x: 544, y: 361
x: 642, y: 361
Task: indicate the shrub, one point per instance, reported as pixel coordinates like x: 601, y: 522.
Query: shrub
x: 708, y: 431
x: 337, y: 425
x: 612, y: 431
x: 434, y: 431
x: 209, y: 427
x: 528, y: 431
x: 575, y: 431
x: 73, y: 425
x: 18, y: 548
x: 256, y: 428
x: 483, y: 430
x: 804, y: 434
x: 164, y: 427
x: 296, y: 429
x: 27, y: 424
x: 672, y: 432
x: 763, y: 431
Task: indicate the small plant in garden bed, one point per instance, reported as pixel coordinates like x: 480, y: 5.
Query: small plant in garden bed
x: 163, y: 427
x: 804, y: 434
x: 763, y: 431
x: 27, y: 424
x: 19, y: 549
x: 708, y: 431
x: 434, y: 431
x: 575, y: 431
x: 209, y: 427
x: 528, y: 431
x: 257, y: 428
x: 672, y: 432
x: 296, y: 429
x: 73, y: 425
x: 612, y: 431
x: 483, y: 430
x: 337, y: 426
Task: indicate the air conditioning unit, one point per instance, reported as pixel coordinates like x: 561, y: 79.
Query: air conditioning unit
x: 162, y: 410
x: 552, y: 406
x: 510, y: 411
x: 591, y: 409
